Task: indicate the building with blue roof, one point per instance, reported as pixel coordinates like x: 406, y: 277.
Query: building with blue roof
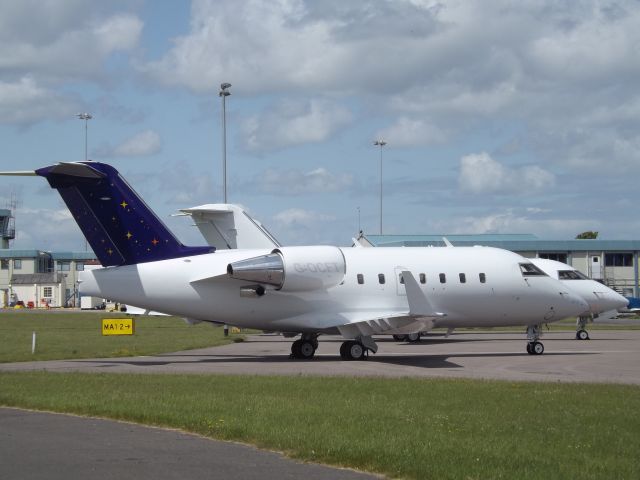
x: 41, y: 278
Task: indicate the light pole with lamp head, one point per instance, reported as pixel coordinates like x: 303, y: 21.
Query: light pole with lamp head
x: 224, y: 93
x: 380, y: 143
x: 86, y: 117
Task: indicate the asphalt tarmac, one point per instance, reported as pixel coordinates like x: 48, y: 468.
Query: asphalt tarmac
x: 38, y: 445
x: 611, y: 356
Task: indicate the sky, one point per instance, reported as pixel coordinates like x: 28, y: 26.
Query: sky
x: 498, y: 116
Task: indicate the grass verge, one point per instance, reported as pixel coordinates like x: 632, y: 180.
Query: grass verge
x: 79, y: 335
x: 407, y: 428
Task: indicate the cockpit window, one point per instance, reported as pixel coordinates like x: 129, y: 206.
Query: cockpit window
x: 530, y: 270
x: 571, y: 275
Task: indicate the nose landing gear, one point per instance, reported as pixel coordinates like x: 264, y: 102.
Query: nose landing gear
x: 581, y: 324
x: 534, y: 347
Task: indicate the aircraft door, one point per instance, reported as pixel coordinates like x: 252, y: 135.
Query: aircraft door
x: 596, y: 268
x: 400, y: 290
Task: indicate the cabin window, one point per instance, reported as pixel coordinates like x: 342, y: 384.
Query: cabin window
x: 381, y: 278
x: 463, y: 278
x: 530, y: 270
x: 79, y: 266
x: 17, y: 264
x: 4, y: 264
x: 401, y: 279
x: 47, y: 292
x: 571, y: 275
x: 443, y: 278
x: 483, y: 278
x: 423, y: 278
x: 360, y: 279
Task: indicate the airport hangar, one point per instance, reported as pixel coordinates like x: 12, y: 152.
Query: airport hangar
x: 612, y: 262
x: 51, y: 277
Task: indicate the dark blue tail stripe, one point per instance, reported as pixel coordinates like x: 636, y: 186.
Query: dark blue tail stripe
x: 119, y: 226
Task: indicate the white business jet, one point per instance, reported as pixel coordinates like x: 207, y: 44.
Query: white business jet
x: 228, y: 226
x: 314, y: 290
x: 599, y: 297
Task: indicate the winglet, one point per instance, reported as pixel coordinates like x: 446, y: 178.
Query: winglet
x: 419, y: 304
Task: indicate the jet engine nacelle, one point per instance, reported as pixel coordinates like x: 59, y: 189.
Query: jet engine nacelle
x: 293, y: 269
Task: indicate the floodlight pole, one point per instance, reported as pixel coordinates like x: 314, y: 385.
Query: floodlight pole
x: 224, y: 93
x: 86, y: 117
x: 380, y: 143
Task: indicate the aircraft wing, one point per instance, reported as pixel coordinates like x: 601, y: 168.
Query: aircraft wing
x: 420, y: 317
x: 394, y: 324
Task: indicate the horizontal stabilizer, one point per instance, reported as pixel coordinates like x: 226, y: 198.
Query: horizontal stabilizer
x: 23, y: 173
x: 210, y: 278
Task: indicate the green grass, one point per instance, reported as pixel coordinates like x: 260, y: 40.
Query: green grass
x: 405, y: 428
x: 78, y: 335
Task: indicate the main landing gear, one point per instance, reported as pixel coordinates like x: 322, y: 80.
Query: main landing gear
x: 411, y: 337
x: 352, y: 350
x: 358, y: 349
x: 305, y: 347
x: 534, y: 347
x: 581, y: 332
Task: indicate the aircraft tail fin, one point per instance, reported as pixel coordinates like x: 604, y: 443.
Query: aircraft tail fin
x: 119, y: 226
x: 227, y: 226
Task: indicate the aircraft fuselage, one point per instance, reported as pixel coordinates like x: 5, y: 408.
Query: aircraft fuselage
x: 475, y: 286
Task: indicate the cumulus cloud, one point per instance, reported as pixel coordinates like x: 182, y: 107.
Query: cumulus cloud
x: 268, y: 45
x: 301, y: 218
x: 56, y: 225
x: 408, y: 132
x: 296, y: 182
x: 479, y: 173
x: 435, y: 65
x: 73, y: 51
x: 178, y: 183
x: 46, y: 43
x: 25, y: 102
x: 142, y: 144
x: 511, y: 221
x: 291, y: 123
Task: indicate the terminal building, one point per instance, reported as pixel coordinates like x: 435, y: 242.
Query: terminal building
x: 37, y: 278
x: 612, y: 262
x: 41, y: 279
